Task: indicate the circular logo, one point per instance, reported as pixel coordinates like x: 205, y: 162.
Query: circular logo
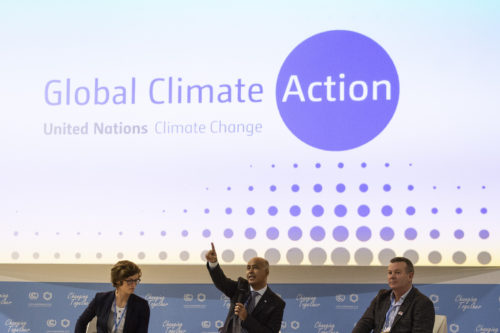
x: 337, y: 90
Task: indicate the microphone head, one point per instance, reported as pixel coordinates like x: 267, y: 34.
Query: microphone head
x: 243, y: 290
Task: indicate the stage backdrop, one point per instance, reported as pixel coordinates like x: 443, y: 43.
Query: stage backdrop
x: 308, y: 132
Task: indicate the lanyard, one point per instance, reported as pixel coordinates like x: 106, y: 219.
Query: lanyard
x: 117, y: 322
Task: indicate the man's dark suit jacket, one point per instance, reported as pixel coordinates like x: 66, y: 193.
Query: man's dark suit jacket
x: 416, y: 314
x: 136, y: 319
x: 266, y: 317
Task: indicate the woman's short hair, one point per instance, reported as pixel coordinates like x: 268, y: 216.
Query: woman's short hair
x: 122, y: 270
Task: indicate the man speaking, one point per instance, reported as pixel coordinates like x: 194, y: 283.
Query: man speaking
x: 255, y: 308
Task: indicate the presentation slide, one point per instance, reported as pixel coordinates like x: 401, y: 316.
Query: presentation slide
x: 305, y: 132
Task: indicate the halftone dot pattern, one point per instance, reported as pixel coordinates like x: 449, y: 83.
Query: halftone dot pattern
x: 250, y: 188
x: 185, y: 211
x: 317, y: 165
x: 435, y: 257
x: 295, y: 233
x: 272, y: 233
x: 387, y: 165
x: 340, y: 256
x: 411, y: 187
x: 227, y: 256
x: 363, y: 188
x: 434, y: 210
x: 250, y: 233
x: 57, y: 255
x: 318, y: 210
x: 434, y: 234
x: 273, y: 166
x: 387, y: 233
x: 317, y: 233
x: 184, y: 255
x: 459, y: 257
x: 317, y: 256
x: 78, y: 255
x: 229, y: 210
x: 249, y: 254
x: 484, y: 234
x: 228, y: 233
x: 162, y: 255
x: 340, y: 188
x: 229, y: 188
x: 15, y: 233
x: 295, y: 165
x: 412, y: 255
x: 340, y: 233
x: 295, y: 188
x: 203, y: 255
x: 386, y: 188
x: 98, y: 255
x: 184, y: 233
x: 14, y: 255
x: 141, y: 233
x: 317, y: 188
x: 141, y: 255
x: 295, y: 210
x: 459, y: 187
x: 410, y: 234
x: 250, y: 210
x: 294, y: 256
x: 459, y: 234
x: 163, y: 233
x: 410, y: 210
x: 272, y: 188
x: 385, y: 256
x: 206, y: 233
x: 387, y: 210
x: 363, y: 233
x: 273, y: 256
x: 364, y: 165
x: 340, y: 210
x: 340, y: 165
x: 363, y: 210
x: 363, y: 256
x: 119, y: 255
x: 458, y: 210
x: 36, y: 255
x: 273, y: 210
x: 484, y: 258
x: 206, y: 210
x: 484, y: 210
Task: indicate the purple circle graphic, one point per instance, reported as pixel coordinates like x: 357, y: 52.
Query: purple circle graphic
x: 250, y: 210
x: 459, y: 234
x: 272, y: 188
x: 459, y: 210
x: 340, y: 165
x: 317, y: 188
x: 411, y: 187
x: 387, y: 233
x: 207, y: 210
x: 228, y: 233
x: 363, y: 165
x: 206, y: 233
x: 250, y: 188
x: 184, y: 233
x: 363, y: 210
x: 363, y: 233
x: 340, y: 233
x: 229, y: 210
x: 295, y: 165
x: 410, y: 210
x: 317, y: 165
x: 337, y: 90
x: 318, y: 210
x: 294, y: 233
x: 363, y: 188
x: 434, y: 210
x: 295, y: 210
x: 387, y: 210
x: 340, y: 210
x: 434, y: 234
x: 272, y: 210
x: 340, y: 188
x: 484, y: 210
x: 250, y: 233
x: 410, y: 234
x: 272, y: 233
x: 387, y: 187
x: 484, y: 234
x: 295, y: 188
x: 317, y: 233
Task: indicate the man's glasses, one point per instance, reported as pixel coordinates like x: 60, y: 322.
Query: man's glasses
x: 131, y: 282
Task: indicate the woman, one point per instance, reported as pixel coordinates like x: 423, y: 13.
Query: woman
x: 118, y: 311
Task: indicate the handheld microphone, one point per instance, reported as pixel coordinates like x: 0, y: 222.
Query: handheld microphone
x: 243, y: 291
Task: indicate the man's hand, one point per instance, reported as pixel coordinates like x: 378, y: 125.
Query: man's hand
x: 240, y: 311
x: 211, y: 255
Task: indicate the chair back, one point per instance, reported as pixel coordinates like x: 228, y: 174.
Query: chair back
x: 440, y: 324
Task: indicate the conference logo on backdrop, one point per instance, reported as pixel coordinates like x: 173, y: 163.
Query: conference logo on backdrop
x: 4, y: 299
x: 337, y: 90
x: 467, y: 303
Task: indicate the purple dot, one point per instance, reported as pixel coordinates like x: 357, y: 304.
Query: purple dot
x: 387, y: 210
x: 363, y: 165
x: 483, y: 187
x: 206, y: 233
x: 484, y: 234
x: 273, y: 166
x: 295, y: 210
x: 434, y: 210
x: 163, y: 233
x: 387, y: 165
x: 411, y: 164
x: 250, y: 211
x: 340, y: 165
x: 340, y: 210
x: 363, y: 233
x: 434, y: 187
x: 318, y: 165
x: 459, y: 234
x: 141, y: 233
x: 250, y: 188
x: 318, y: 210
x: 318, y: 188
x: 387, y: 233
x: 340, y: 188
x: 340, y: 233
x: 410, y: 234
x: 363, y: 188
x: 250, y: 233
x: 295, y: 188
x: 458, y: 210
x: 229, y: 188
x: 294, y: 233
x: 163, y: 211
x: 295, y: 165
x: 272, y: 233
x: 272, y: 188
x: 387, y: 187
x: 207, y: 210
x: 185, y: 210
x: 317, y: 233
x: 459, y: 187
x: 411, y: 187
x: 36, y: 233
x: 363, y: 210
x: 15, y: 233
x: 229, y: 210
x: 434, y: 234
x: 272, y: 211
x: 184, y: 233
x: 228, y: 233
x: 120, y: 233
x: 484, y: 210
x: 410, y: 210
